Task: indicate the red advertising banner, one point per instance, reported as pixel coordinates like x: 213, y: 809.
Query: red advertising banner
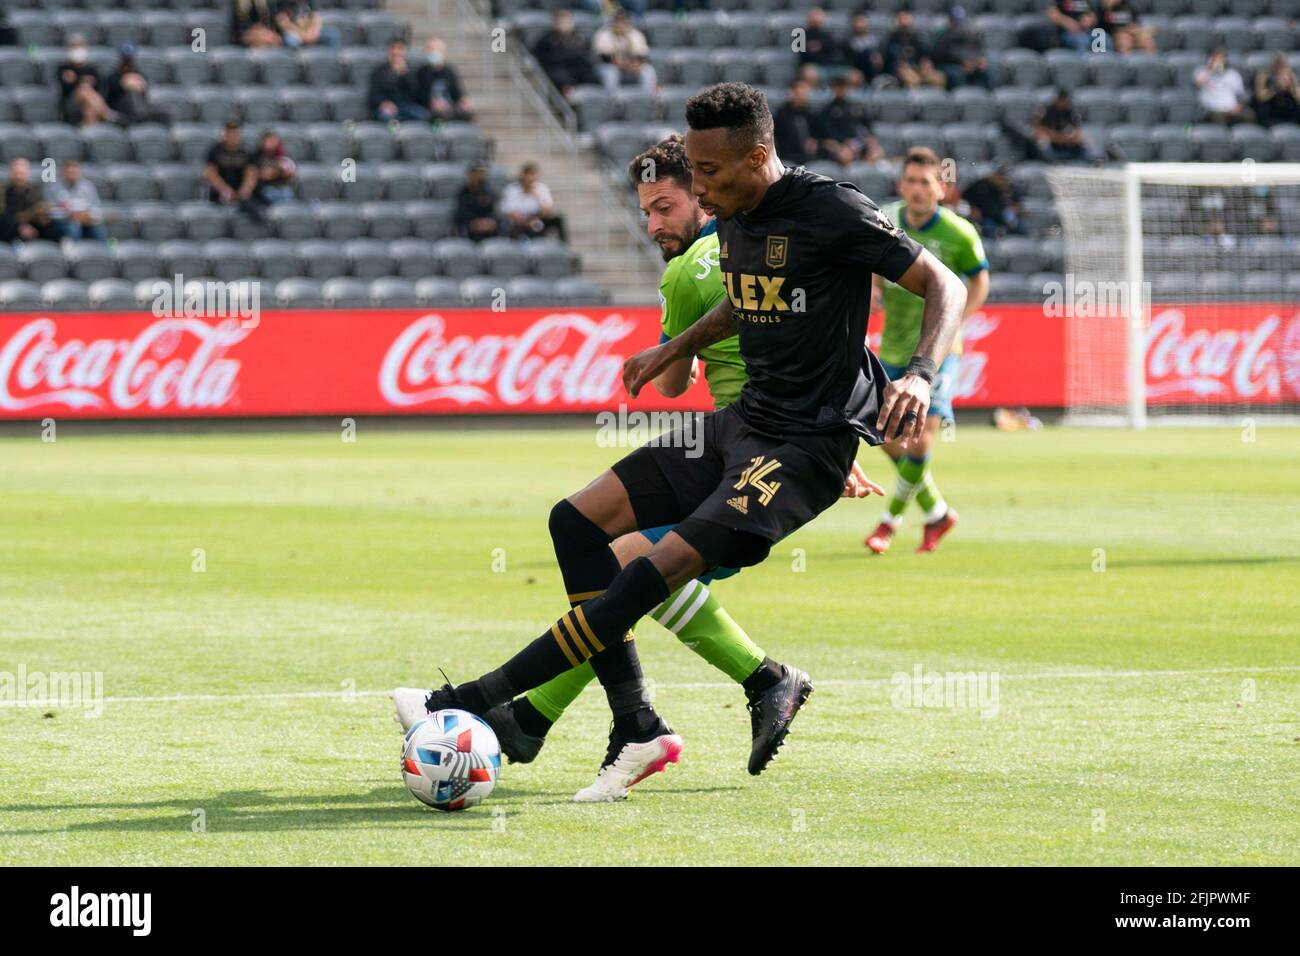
x: 467, y: 361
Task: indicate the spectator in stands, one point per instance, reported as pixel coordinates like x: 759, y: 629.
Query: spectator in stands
x: 8, y: 35
x: 1074, y: 21
x: 252, y: 23
x: 128, y: 92
x: 528, y: 208
x: 74, y: 205
x: 476, y: 205
x: 959, y: 52
x: 622, y: 50
x: 820, y: 46
x: 1058, y: 132
x: 994, y: 205
x: 393, y: 92
x: 1222, y: 92
x: 844, y: 128
x: 300, y: 26
x: 27, y: 216
x: 275, y: 170
x: 907, y: 56
x: 796, y: 128
x: 1277, y: 95
x: 1127, y: 34
x: 80, y: 95
x: 439, y: 85
x: 231, y: 173
x: 565, y: 54
x: 863, y: 49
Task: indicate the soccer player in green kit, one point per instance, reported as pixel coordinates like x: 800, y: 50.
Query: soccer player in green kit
x: 956, y: 243
x: 691, y: 285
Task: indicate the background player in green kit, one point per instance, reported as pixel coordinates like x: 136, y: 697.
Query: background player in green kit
x: 956, y: 243
x: 690, y: 286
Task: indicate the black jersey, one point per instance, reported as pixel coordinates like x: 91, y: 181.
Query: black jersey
x: 797, y: 269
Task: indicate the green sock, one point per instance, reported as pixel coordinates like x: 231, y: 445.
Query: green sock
x: 910, y: 472
x: 699, y: 621
x: 552, y: 698
x: 702, y: 624
x: 928, y: 496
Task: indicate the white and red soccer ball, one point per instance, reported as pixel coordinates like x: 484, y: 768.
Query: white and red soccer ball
x: 450, y: 760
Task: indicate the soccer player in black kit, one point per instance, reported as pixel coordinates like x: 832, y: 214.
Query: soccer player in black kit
x: 797, y: 253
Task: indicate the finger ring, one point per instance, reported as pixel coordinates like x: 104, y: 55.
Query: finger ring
x: 910, y: 417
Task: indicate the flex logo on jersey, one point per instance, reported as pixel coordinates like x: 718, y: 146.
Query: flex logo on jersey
x: 756, y: 293
x: 777, y: 247
x: 756, y: 476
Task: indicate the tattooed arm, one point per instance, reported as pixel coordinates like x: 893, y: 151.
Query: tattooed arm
x: 717, y: 324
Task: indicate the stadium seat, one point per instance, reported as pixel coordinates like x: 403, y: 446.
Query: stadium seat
x: 41, y: 261
x: 298, y: 292
x: 456, y: 258
x: 503, y: 258
x: 577, y: 291
x: 293, y: 221
x: 393, y: 292
x: 184, y: 256
x: 322, y: 259
x: 276, y: 259
x: 19, y: 294
x: 111, y: 294
x: 429, y: 218
x: 229, y: 259
x: 412, y: 258
x: 346, y: 292
x: 368, y: 258
x: 438, y: 291
x: 65, y: 294
x: 89, y: 261
x: 136, y: 261
x: 550, y: 258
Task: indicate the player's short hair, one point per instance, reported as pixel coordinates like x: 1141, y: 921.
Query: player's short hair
x: 666, y: 159
x: 739, y: 108
x: 922, y: 156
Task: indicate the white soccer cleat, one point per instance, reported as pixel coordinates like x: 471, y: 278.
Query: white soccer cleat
x: 633, y: 764
x: 408, y: 704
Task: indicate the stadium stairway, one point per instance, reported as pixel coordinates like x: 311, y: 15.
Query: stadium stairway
x: 602, y: 230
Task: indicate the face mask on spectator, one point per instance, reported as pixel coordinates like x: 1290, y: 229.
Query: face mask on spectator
x: 435, y: 59
x: 77, y: 54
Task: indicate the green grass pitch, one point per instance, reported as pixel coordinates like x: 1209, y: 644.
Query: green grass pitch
x: 1146, y: 713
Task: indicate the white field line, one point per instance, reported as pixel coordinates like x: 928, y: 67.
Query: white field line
x: 862, y: 682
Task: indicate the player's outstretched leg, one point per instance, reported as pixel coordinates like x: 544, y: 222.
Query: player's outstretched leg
x: 693, y: 613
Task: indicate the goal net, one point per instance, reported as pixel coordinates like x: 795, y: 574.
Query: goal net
x: 1181, y: 293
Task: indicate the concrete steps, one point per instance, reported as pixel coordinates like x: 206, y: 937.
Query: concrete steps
x: 602, y: 229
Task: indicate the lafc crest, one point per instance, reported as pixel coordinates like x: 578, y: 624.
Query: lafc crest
x: 777, y: 248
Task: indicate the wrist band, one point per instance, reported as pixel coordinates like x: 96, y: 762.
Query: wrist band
x: 921, y: 367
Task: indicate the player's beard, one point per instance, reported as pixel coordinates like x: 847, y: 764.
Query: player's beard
x: 682, y: 243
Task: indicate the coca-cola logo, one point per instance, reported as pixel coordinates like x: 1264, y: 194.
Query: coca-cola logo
x: 172, y: 363
x: 560, y: 358
x: 1227, y: 363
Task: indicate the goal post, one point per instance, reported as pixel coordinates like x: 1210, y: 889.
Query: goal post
x: 1181, y: 293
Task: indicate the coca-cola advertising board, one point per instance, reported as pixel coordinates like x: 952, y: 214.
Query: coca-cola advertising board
x: 471, y: 361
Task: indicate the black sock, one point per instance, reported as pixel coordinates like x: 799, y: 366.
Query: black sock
x: 634, y: 717
x: 480, y: 696
x: 530, y: 720
x: 598, y: 630
x: 765, y: 675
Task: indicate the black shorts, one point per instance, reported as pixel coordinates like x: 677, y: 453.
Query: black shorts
x: 718, y: 469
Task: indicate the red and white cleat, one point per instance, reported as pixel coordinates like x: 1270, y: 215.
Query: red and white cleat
x: 629, y: 764
x: 878, y: 541
x: 935, y: 531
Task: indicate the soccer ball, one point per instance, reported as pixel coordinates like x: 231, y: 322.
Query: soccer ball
x: 450, y: 760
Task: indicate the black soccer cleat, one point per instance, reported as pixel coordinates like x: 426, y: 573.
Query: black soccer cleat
x: 771, y: 712
x: 518, y: 746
